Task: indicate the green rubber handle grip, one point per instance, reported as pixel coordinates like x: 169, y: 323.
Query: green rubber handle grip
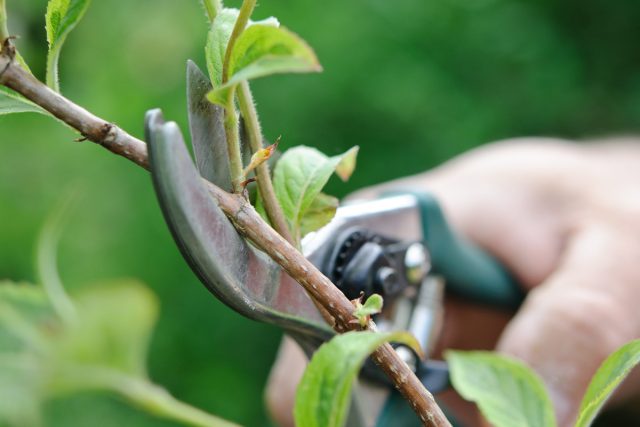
x: 468, y: 270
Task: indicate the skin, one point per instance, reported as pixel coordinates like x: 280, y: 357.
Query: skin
x: 565, y: 219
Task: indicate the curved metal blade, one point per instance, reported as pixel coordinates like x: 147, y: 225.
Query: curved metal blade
x: 238, y: 274
x: 206, y: 124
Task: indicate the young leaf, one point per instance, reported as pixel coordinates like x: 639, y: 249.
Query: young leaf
x: 607, y: 378
x: 218, y: 39
x: 261, y: 156
x: 62, y: 17
x: 507, y: 392
x: 324, y: 392
x: 299, y: 176
x: 320, y: 212
x: 261, y: 50
x: 363, y: 312
x: 12, y: 102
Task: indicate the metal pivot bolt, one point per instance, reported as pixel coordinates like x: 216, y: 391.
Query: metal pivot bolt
x: 387, y: 279
x: 417, y: 263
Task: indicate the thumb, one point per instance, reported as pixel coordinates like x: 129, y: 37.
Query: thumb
x: 582, y: 313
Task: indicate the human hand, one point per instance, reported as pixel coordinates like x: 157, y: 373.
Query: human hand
x: 565, y: 220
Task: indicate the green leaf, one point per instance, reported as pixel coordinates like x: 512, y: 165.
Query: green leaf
x: 12, y: 102
x: 218, y: 39
x: 62, y: 17
x: 262, y: 50
x: 24, y: 314
x: 363, y: 312
x: 320, y: 213
x: 607, y: 378
x: 324, y: 392
x: 508, y: 393
x: 20, y: 390
x: 347, y: 164
x: 299, y: 177
x: 113, y: 330
x: 23, y: 310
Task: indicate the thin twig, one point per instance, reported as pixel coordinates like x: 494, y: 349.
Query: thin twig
x: 232, y: 133
x: 230, y: 116
x: 265, y: 185
x: 247, y: 222
x: 243, y: 19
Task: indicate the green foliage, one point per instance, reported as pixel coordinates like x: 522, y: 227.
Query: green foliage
x: 51, y: 344
x: 11, y: 102
x: 454, y: 93
x: 117, y: 321
x: 607, y: 378
x: 298, y: 179
x: 262, y: 49
x: 23, y: 312
x: 508, y: 393
x: 62, y: 17
x: 320, y: 213
x: 218, y: 39
x: 324, y: 393
x: 363, y: 312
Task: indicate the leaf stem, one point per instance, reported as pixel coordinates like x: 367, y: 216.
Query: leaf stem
x: 231, y: 122
x: 4, y: 31
x: 212, y: 7
x: 46, y: 256
x: 53, y: 78
x: 243, y: 18
x: 157, y: 401
x: 232, y: 131
x: 265, y: 185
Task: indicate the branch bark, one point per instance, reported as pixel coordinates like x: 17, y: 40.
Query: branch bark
x: 241, y: 213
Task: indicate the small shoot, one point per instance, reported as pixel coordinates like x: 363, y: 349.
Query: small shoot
x: 261, y: 156
x: 363, y: 312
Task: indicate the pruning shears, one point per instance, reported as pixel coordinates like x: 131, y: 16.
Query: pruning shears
x: 399, y: 246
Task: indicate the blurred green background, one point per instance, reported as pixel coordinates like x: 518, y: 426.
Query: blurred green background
x: 413, y: 82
